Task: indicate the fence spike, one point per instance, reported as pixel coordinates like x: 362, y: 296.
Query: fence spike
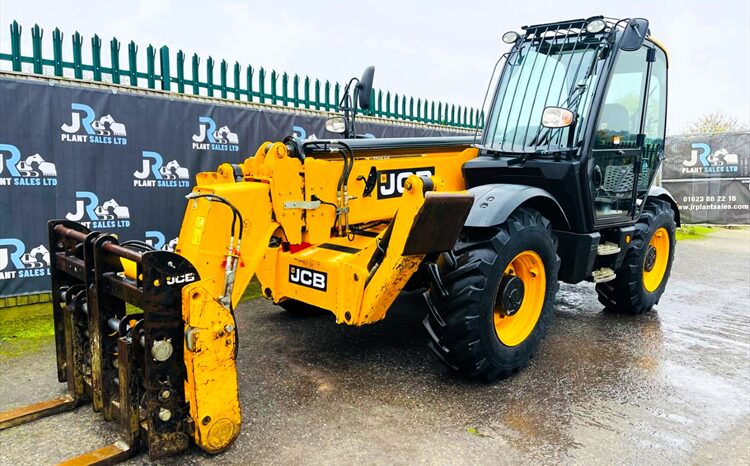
x: 249, y: 79
x: 274, y: 93
x: 307, y: 91
x: 150, y: 66
x: 210, y: 75
x: 36, y: 48
x: 57, y: 44
x: 15, y: 45
x: 114, y: 60
x: 96, y: 57
x: 262, y: 84
x: 133, y: 63
x: 180, y: 71
x: 327, y: 96
x: 195, y: 68
x: 236, y: 80
x: 166, y: 75
x: 223, y: 68
x: 77, y: 55
x: 295, y: 90
x: 284, y: 91
x: 317, y: 94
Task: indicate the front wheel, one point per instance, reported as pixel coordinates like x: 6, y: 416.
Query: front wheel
x: 643, y: 275
x: 501, y: 284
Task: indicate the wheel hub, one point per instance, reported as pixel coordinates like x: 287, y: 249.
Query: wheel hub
x: 650, y: 258
x: 511, y: 294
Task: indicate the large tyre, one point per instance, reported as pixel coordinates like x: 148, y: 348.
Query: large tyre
x: 501, y: 285
x: 644, y: 272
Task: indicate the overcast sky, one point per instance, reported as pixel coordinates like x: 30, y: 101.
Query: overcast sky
x: 442, y: 50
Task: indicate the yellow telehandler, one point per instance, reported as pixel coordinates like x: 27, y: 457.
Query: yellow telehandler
x: 558, y: 186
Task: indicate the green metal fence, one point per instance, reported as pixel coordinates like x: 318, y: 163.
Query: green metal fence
x: 234, y: 81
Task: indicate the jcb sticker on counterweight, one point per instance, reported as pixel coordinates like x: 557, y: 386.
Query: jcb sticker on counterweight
x: 391, y: 182
x: 308, y: 277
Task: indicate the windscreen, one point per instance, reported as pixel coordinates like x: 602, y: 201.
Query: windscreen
x: 560, y: 72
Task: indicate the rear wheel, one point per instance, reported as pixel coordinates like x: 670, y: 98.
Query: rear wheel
x: 644, y: 273
x: 501, y: 285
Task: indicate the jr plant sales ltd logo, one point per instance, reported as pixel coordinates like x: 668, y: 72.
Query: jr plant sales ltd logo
x: 211, y: 138
x: 703, y: 161
x: 155, y: 174
x: 16, y: 262
x: 30, y: 171
x: 84, y: 127
x: 96, y: 216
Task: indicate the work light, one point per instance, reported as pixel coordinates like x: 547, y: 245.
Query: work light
x: 510, y: 37
x: 596, y: 25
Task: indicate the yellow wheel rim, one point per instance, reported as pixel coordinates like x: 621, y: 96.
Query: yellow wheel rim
x: 656, y: 260
x: 514, y: 329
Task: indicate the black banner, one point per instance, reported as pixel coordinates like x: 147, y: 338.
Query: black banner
x: 119, y: 162
x: 709, y: 176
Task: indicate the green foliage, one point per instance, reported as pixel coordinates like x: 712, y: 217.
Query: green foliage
x: 687, y: 232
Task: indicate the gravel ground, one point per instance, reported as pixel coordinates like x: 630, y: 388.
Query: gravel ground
x: 670, y: 386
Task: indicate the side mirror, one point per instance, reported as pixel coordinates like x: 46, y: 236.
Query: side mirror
x: 364, y: 87
x: 557, y: 117
x: 634, y: 34
x: 336, y: 125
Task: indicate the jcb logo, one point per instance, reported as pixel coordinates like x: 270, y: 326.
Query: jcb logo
x: 181, y: 279
x: 309, y: 278
x: 391, y: 182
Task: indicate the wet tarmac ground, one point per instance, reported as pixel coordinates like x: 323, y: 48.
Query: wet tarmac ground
x: 672, y: 386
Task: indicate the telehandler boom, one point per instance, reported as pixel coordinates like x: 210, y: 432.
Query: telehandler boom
x: 558, y: 187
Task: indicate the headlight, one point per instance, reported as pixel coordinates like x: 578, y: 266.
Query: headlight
x: 556, y: 117
x: 336, y: 125
x: 510, y: 37
x: 596, y: 25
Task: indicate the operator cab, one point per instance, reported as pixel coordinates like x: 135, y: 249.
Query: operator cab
x: 579, y: 109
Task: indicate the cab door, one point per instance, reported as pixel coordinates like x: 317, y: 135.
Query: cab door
x: 615, y: 163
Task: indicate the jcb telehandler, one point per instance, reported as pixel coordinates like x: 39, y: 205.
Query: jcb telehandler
x: 558, y: 187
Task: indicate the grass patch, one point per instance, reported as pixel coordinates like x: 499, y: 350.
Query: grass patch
x: 25, y: 329
x: 692, y: 232
x: 252, y: 291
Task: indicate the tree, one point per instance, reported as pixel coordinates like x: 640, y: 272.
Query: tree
x: 713, y: 123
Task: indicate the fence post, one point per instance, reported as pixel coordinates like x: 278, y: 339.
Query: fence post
x: 114, y: 59
x: 336, y: 96
x: 96, y: 57
x: 419, y: 111
x: 180, y: 71
x: 284, y: 91
x: 295, y: 90
x: 15, y: 45
x: 223, y: 67
x: 57, y: 43
x: 262, y: 85
x: 249, y: 79
x: 236, y: 81
x: 36, y: 48
x: 210, y: 76
x: 151, y: 66
x: 380, y: 103
x: 133, y: 63
x: 317, y: 94
x: 388, y: 104
x: 411, y: 108
x: 273, y: 87
x: 307, y: 92
x: 195, y: 63
x: 166, y: 76
x: 77, y: 47
x: 327, y: 95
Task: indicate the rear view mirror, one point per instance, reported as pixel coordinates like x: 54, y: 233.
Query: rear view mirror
x: 556, y: 117
x: 365, y: 86
x: 634, y: 34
